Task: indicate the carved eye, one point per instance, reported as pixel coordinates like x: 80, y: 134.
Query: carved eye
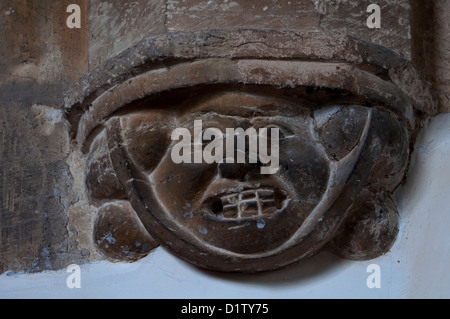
x: 339, y: 128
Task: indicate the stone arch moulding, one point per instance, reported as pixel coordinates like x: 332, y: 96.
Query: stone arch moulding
x: 348, y: 111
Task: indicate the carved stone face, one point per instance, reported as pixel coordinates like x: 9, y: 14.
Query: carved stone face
x: 232, y: 210
x: 228, y: 204
x: 343, y: 148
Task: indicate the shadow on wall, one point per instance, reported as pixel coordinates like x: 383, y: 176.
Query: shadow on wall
x: 306, y: 270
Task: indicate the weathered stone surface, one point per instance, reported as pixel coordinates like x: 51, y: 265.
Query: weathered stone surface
x: 415, y: 29
x: 39, y: 57
x: 232, y: 15
x: 119, y: 233
x: 350, y: 17
x: 35, y: 184
x: 101, y: 181
x: 165, y: 50
x: 370, y: 229
x: 430, y: 29
x: 38, y: 45
x: 117, y: 25
x: 52, y: 187
x: 344, y: 132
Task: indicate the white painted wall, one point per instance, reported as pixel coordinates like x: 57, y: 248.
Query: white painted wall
x: 416, y: 267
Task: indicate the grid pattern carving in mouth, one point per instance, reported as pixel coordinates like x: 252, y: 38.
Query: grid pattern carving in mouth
x: 249, y: 204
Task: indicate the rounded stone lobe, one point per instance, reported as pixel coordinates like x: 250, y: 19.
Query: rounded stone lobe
x: 119, y: 234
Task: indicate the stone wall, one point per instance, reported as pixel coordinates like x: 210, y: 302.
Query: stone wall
x: 39, y: 57
x: 45, y: 222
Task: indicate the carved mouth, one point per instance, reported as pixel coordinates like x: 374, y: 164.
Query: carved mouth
x: 250, y: 204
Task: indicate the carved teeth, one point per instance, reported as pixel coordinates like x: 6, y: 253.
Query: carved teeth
x: 249, y: 204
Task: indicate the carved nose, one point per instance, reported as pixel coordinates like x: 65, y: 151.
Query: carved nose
x: 239, y: 171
